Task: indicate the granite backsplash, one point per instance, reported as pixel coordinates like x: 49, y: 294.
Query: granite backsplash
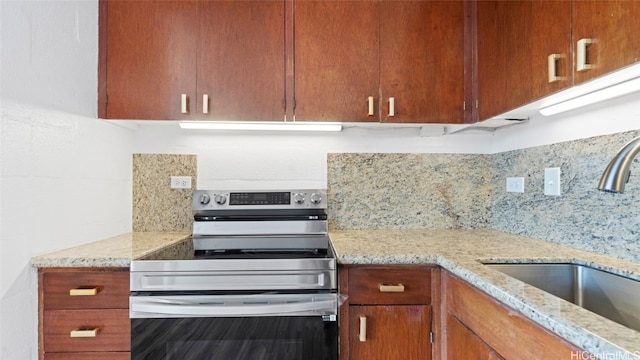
x: 408, y: 191
x: 447, y: 191
x: 157, y: 207
x: 582, y: 217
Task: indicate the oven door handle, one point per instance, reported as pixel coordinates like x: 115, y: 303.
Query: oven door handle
x: 151, y: 307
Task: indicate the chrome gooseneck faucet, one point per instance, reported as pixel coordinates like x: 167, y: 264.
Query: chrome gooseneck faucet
x: 617, y: 173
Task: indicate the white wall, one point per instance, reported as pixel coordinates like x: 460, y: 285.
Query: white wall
x: 232, y: 160
x: 66, y: 177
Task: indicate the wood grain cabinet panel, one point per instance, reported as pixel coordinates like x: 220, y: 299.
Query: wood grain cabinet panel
x: 422, y: 61
x: 463, y: 344
x: 365, y: 286
x: 113, y: 330
x: 88, y: 355
x: 93, y: 323
x: 347, y: 52
x: 111, y: 290
x: 241, y: 60
x: 613, y: 27
x: 377, y: 324
x: 500, y: 331
x: 336, y: 60
x: 515, y: 40
x: 149, y: 59
x: 392, y: 332
x: 225, y: 58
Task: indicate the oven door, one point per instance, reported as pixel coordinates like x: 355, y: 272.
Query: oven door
x: 251, y: 327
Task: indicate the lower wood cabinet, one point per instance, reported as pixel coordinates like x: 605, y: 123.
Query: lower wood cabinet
x: 475, y: 326
x: 84, y: 313
x: 387, y: 312
x: 462, y: 343
x: 390, y: 332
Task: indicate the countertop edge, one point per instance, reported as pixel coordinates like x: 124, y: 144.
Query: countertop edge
x: 472, y: 270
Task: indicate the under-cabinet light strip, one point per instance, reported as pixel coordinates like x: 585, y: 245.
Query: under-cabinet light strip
x: 607, y: 93
x: 259, y: 126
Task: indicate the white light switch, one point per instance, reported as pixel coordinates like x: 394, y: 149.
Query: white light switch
x: 552, y: 181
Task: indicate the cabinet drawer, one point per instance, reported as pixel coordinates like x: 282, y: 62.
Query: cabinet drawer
x: 88, y: 355
x: 113, y: 333
x: 86, y: 290
x: 380, y: 286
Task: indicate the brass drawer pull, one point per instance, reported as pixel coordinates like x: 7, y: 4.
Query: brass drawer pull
x: 363, y: 329
x: 83, y: 333
x: 370, y: 101
x: 391, y: 288
x: 88, y: 291
x: 581, y: 57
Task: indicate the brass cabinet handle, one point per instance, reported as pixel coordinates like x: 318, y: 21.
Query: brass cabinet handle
x: 581, y: 61
x: 392, y: 106
x: 363, y: 328
x: 391, y: 288
x: 370, y: 101
x: 553, y: 73
x: 83, y: 333
x: 183, y: 104
x: 84, y: 291
x: 205, y: 104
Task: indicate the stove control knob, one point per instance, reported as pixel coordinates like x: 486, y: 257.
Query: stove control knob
x: 316, y: 198
x: 220, y: 199
x: 204, y: 199
x: 298, y: 198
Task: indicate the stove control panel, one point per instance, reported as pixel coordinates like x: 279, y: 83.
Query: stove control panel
x: 230, y: 200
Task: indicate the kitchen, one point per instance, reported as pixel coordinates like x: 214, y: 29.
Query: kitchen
x: 55, y: 154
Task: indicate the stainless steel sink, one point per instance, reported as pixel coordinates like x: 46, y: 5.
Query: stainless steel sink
x: 613, y: 296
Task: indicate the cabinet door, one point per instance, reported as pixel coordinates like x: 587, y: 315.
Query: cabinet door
x: 241, y: 60
x: 613, y: 26
x: 463, y: 344
x: 515, y: 39
x: 392, y: 332
x: 422, y: 61
x: 504, y: 330
x: 336, y: 60
x: 151, y: 59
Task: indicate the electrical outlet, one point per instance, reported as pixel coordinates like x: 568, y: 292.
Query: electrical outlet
x: 181, y: 182
x: 515, y: 184
x: 552, y: 181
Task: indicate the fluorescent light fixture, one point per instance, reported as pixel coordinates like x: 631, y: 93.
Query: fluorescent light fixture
x: 260, y: 126
x: 606, y: 93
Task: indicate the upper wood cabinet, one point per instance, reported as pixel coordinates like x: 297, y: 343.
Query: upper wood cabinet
x: 422, y: 61
x: 389, y: 61
x: 241, y: 60
x: 336, y: 60
x: 178, y: 60
x: 515, y: 42
x: 148, y: 55
x: 529, y: 49
x: 612, y: 31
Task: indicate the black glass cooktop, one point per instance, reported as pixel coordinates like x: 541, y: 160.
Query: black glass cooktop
x: 262, y: 254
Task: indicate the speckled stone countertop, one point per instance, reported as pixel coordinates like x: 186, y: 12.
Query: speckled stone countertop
x: 463, y: 252
x: 118, y: 251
